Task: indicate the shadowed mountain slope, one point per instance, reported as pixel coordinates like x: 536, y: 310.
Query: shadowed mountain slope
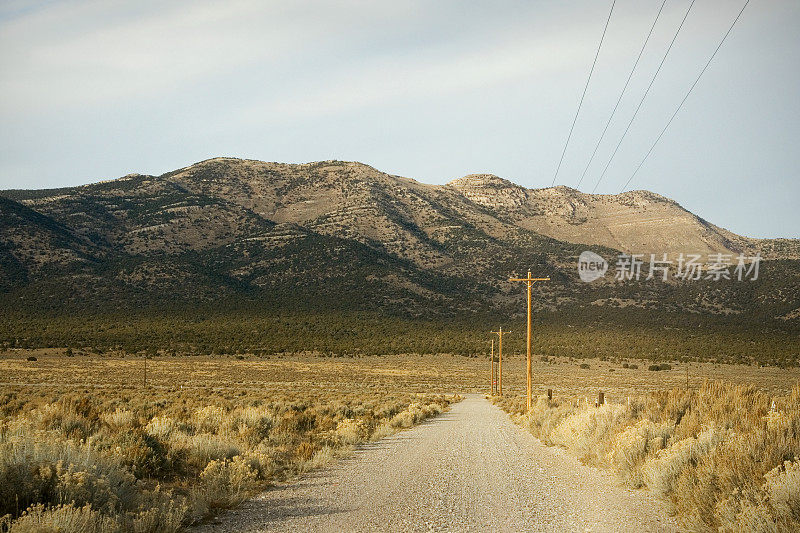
x: 343, y: 235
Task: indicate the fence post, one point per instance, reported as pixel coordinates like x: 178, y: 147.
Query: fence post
x: 549, y: 394
x: 601, y: 399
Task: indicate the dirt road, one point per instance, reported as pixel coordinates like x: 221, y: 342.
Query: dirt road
x: 470, y: 469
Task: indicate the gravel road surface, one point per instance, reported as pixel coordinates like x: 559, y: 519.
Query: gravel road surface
x: 469, y: 469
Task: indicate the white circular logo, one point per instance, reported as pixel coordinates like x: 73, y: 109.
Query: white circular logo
x: 591, y: 266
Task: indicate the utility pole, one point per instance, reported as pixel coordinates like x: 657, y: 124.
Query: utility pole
x: 687, y: 374
x: 530, y: 281
x: 500, y: 360
x: 491, y: 375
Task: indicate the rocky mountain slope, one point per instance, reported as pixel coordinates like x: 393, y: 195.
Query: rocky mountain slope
x: 634, y: 222
x: 343, y: 235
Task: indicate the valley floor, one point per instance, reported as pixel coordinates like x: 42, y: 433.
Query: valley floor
x: 408, y: 373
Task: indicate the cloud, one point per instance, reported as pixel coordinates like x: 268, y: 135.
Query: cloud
x: 93, y: 53
x: 77, y: 53
x: 406, y: 78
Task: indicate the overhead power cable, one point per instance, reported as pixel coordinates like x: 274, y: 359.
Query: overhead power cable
x: 644, y: 96
x: 580, y: 104
x: 685, y: 97
x: 621, y: 94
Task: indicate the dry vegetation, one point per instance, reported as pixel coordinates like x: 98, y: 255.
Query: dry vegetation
x: 623, y: 377
x: 85, y: 447
x: 721, y: 454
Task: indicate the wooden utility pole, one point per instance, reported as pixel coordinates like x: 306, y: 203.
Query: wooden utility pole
x: 500, y: 360
x: 530, y: 281
x: 491, y: 375
x: 687, y: 374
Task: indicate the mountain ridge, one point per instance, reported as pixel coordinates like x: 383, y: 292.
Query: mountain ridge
x: 558, y: 212
x: 346, y: 235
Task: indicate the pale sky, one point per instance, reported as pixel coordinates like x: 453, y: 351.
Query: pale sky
x: 432, y: 90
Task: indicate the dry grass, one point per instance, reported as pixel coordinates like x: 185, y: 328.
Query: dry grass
x: 567, y: 378
x: 204, y: 437
x: 83, y: 443
x: 414, y: 373
x: 723, y: 457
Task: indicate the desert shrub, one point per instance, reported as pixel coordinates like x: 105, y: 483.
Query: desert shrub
x: 404, y: 419
x: 199, y: 450
x: 633, y: 445
x: 587, y: 430
x: 776, y: 507
x: 41, y: 467
x: 253, y: 424
x: 585, y: 365
x: 143, y: 454
x: 321, y: 457
x: 782, y: 487
x: 118, y: 419
x: 158, y: 513
x: 67, y: 518
x: 304, y: 451
x: 544, y: 417
x: 81, y: 487
x: 390, y: 409
x: 208, y: 419
x: 297, y: 422
x: 261, y: 460
x: 74, y: 419
x: 739, y: 465
x: 383, y: 430
x: 351, y: 431
x: 662, y: 471
x: 161, y: 427
x: 227, y: 483
x: 415, y: 413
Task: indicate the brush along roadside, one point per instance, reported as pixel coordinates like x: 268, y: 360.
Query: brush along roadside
x: 124, y: 461
x: 727, y: 457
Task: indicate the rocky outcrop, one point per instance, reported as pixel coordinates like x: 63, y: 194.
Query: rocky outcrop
x: 491, y: 191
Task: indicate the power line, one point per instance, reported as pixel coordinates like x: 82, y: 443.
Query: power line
x: 591, y: 71
x: 685, y: 97
x: 644, y: 96
x: 627, y: 82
